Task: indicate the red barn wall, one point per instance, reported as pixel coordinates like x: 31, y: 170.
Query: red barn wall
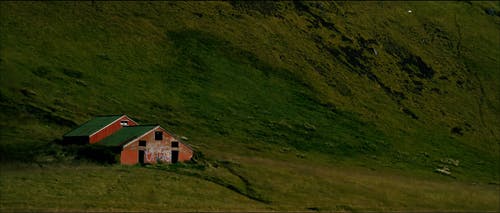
x: 185, y: 153
x: 129, y: 157
x: 107, y: 131
x: 155, y: 150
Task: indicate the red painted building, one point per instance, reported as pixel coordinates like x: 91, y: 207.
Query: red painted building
x: 97, y: 129
x: 144, y: 144
x: 148, y: 144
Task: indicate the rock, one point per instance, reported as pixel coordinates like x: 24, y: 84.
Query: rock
x: 300, y: 155
x: 490, y: 11
x: 425, y: 154
x: 445, y: 171
x: 450, y: 161
x: 309, y: 126
x: 285, y: 149
x: 184, y: 138
x: 28, y: 92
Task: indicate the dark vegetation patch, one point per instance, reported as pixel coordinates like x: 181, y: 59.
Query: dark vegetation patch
x: 457, y: 131
x: 346, y: 39
x: 41, y: 71
x: 492, y: 12
x: 436, y: 90
x: 96, y: 153
x: 444, y: 78
x: 199, y: 15
x: 56, y: 151
x: 51, y: 74
x: 317, y: 20
x: 103, y: 56
x: 358, y: 62
x: 313, y: 208
x: 72, y: 73
x: 267, y: 8
x: 410, y: 113
x: 436, y: 35
x: 264, y: 121
x: 408, y: 62
x: 414, y: 66
x: 339, y: 85
x: 28, y: 93
x: 195, y: 168
x: 165, y: 107
x: 354, y: 59
x: 418, y: 86
x: 342, y: 88
x: 414, y: 86
x: 45, y: 115
x: 194, y: 43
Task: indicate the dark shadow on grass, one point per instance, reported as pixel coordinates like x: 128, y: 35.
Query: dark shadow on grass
x: 196, y: 167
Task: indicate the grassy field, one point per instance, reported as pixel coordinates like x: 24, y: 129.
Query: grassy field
x: 268, y: 185
x: 294, y: 105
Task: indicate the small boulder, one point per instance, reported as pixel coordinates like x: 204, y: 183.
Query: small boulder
x: 445, y: 171
x: 490, y: 11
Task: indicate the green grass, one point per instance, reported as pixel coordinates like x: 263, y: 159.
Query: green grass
x: 272, y: 82
x: 66, y: 188
x: 280, y: 185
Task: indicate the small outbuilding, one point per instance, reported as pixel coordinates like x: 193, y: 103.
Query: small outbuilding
x: 138, y: 144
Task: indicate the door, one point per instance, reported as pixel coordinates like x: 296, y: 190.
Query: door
x: 175, y: 156
x: 141, y: 156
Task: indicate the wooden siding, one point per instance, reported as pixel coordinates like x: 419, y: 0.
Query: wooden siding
x: 110, y: 129
x: 129, y: 157
x: 185, y: 153
x: 155, y: 150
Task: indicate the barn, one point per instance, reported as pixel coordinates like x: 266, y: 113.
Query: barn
x: 97, y: 129
x: 138, y: 144
x: 148, y: 144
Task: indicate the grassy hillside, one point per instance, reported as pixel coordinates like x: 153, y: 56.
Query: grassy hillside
x: 281, y: 98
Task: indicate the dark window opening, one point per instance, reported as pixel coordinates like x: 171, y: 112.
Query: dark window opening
x: 158, y: 136
x: 124, y: 123
x: 175, y: 144
x: 142, y: 143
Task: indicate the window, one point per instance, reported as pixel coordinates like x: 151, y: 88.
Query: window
x: 142, y: 143
x: 158, y: 136
x: 124, y: 123
x: 175, y: 144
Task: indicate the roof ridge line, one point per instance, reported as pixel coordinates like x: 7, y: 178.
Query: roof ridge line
x: 143, y: 125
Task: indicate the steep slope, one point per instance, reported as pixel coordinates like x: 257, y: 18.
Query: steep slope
x: 361, y: 83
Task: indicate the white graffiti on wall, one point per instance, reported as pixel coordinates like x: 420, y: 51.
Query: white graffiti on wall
x: 155, y: 152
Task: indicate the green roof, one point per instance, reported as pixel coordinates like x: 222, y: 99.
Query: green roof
x: 126, y: 134
x: 92, y: 126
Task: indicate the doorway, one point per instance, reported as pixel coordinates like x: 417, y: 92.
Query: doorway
x: 175, y: 156
x: 141, y: 157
